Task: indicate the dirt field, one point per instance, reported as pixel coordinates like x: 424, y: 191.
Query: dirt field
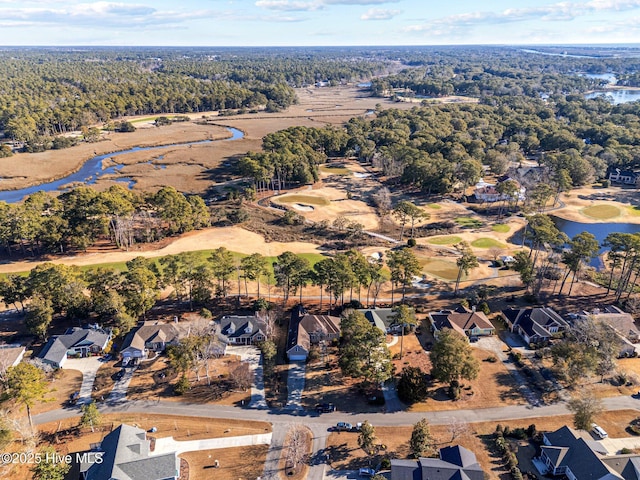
x: 242, y: 463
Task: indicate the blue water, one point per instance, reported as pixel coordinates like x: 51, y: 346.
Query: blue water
x: 618, y: 96
x: 92, y: 170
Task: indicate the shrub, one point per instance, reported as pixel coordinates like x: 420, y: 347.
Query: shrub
x: 484, y: 308
x: 206, y: 313
x: 411, y: 242
x: 454, y: 390
x: 531, y: 430
x: 385, y: 464
x: 626, y: 451
x: 182, y: 386
x: 412, y: 386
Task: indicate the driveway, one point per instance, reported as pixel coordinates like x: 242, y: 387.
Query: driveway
x: 295, y: 384
x: 119, y: 391
x: 89, y: 368
x: 168, y: 444
x: 252, y: 355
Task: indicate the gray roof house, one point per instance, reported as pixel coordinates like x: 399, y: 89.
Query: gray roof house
x: 149, y: 337
x: 455, y: 463
x: 242, y: 330
x: 621, y: 322
x: 306, y: 330
x: 127, y: 456
x: 535, y: 325
x: 467, y: 322
x: 574, y: 454
x: 383, y: 318
x: 75, y: 341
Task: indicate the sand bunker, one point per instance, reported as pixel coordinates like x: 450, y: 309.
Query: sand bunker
x: 303, y: 208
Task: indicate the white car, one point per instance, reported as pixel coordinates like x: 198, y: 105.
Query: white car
x: 366, y: 472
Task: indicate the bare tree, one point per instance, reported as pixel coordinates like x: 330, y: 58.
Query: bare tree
x: 241, y: 376
x: 297, y: 445
x: 457, y: 428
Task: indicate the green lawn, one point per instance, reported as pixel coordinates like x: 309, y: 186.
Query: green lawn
x: 601, y: 212
x: 435, y: 206
x: 335, y: 170
x: 303, y: 199
x: 487, y: 243
x: 468, y: 222
x: 445, y: 240
x: 501, y: 228
x: 634, y: 210
x: 442, y: 269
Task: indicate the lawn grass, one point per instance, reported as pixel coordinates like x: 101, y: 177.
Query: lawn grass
x: 486, y: 242
x: 501, y: 228
x: 634, y: 210
x: 435, y: 206
x: 442, y: 269
x: 445, y: 240
x: 303, y: 199
x: 601, y: 212
x: 335, y: 170
x: 468, y: 222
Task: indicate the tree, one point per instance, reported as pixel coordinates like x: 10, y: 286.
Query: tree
x: 254, y: 267
x: 140, y: 286
x: 49, y: 468
x: 291, y: 272
x: 367, y: 436
x: 452, y: 358
x: 412, y: 385
x: 524, y: 266
x: 91, y: 416
x: 39, y: 317
x: 404, y: 265
x: 26, y: 384
x: 404, y: 316
x: 406, y: 211
x: 582, y: 248
x: 222, y: 267
x: 584, y: 407
x: 363, y: 352
x: 465, y: 262
x: 421, y: 442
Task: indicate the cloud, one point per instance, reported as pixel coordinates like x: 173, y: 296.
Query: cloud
x: 379, y: 14
x: 290, y: 5
x: 562, y: 11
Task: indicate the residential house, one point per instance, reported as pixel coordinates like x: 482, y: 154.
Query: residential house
x: 454, y: 463
x: 574, y: 454
x: 488, y: 192
x: 306, y: 330
x: 626, y: 177
x: 383, y: 318
x: 467, y: 322
x: 148, y: 337
x: 242, y: 330
x: 620, y: 322
x: 535, y: 325
x: 10, y: 355
x: 82, y: 342
x: 125, y: 454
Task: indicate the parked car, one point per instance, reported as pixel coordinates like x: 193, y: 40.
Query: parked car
x: 120, y: 373
x: 73, y: 398
x: 325, y: 408
x: 344, y: 426
x: 599, y: 431
x: 366, y: 472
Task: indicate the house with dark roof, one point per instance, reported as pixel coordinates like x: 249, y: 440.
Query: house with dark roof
x: 454, y: 463
x: 467, y: 322
x: 306, y: 330
x: 535, y: 325
x: 149, y: 337
x: 76, y: 341
x: 574, y: 454
x: 126, y: 455
x: 626, y: 177
x: 242, y: 330
x: 10, y: 355
x: 383, y: 318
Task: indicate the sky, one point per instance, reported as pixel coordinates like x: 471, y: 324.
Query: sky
x: 317, y: 22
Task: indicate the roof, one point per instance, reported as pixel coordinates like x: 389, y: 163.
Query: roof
x: 324, y: 325
x: 150, y: 332
x: 382, y: 318
x: 627, y: 466
x: 127, y: 456
x: 455, y: 463
x: 621, y: 321
x: 238, y: 326
x: 55, y: 350
x: 535, y: 321
x: 461, y: 322
x: 10, y: 355
x: 576, y: 451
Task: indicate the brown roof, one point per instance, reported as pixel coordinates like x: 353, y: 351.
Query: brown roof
x: 324, y: 324
x: 9, y: 354
x: 461, y: 322
x: 150, y: 332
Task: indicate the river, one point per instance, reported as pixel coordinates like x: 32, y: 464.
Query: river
x: 92, y: 170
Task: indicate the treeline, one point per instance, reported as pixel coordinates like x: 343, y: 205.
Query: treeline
x: 78, y: 218
x: 498, y: 71
x: 118, y: 298
x: 48, y: 92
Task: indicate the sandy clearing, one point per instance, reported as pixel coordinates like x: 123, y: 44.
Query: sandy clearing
x: 232, y: 238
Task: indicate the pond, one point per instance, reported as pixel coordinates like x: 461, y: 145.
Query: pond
x: 599, y: 230
x: 618, y: 96
x: 92, y: 169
